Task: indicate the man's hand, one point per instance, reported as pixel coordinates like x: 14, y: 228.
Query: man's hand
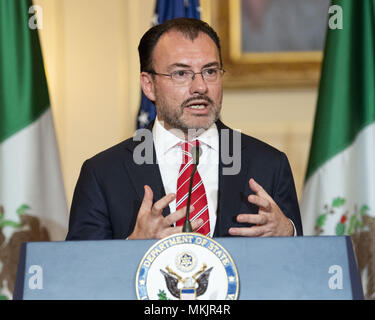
x: 270, y: 220
x: 151, y: 224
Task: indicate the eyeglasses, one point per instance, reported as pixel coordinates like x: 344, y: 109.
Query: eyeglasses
x: 187, y: 76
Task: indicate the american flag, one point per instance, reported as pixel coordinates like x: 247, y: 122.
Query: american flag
x: 165, y: 10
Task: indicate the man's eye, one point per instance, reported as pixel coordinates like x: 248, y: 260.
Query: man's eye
x: 180, y: 73
x: 210, y: 72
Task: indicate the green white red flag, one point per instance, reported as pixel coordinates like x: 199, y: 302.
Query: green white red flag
x: 339, y: 191
x: 32, y: 198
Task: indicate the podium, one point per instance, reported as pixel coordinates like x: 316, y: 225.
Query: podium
x: 285, y: 268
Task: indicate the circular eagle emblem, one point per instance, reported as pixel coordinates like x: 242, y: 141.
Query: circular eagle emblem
x: 187, y: 266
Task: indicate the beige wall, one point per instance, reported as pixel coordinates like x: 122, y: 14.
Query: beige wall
x: 282, y: 118
x: 90, y: 52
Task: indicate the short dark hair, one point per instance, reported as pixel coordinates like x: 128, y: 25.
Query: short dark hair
x: 187, y: 26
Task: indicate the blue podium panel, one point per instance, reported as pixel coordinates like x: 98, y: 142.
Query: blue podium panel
x: 285, y: 268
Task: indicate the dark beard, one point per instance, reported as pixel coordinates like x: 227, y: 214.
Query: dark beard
x: 173, y: 117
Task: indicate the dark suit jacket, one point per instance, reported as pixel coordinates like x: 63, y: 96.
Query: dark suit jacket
x: 110, y: 190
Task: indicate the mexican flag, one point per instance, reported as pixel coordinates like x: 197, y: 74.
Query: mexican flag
x: 339, y: 191
x: 32, y: 199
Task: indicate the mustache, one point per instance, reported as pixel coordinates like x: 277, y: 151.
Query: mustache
x: 196, y: 98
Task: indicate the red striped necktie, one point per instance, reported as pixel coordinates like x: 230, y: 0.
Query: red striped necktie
x: 198, y: 194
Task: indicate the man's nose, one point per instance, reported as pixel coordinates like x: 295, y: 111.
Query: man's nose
x: 198, y: 84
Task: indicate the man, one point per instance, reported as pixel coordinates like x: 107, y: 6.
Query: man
x: 117, y: 197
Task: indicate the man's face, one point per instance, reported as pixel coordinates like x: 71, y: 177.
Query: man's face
x: 193, y: 105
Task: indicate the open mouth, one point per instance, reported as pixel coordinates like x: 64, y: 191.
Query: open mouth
x: 198, y: 105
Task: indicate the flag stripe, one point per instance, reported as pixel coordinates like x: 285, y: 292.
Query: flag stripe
x: 346, y: 102
x: 23, y: 88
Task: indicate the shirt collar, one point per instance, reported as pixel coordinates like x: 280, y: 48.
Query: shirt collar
x: 165, y: 140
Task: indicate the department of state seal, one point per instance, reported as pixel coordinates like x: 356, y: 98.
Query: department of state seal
x: 187, y: 266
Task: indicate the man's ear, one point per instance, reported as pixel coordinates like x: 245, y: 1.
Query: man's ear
x: 147, y: 84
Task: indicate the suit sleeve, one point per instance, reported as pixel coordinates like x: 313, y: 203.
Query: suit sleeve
x: 285, y: 194
x: 89, y: 217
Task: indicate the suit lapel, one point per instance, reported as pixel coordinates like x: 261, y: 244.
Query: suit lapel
x: 230, y: 185
x: 145, y: 173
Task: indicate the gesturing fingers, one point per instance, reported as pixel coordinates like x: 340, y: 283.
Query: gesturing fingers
x: 172, y: 230
x: 150, y: 221
x: 172, y: 218
x: 260, y: 202
x: 260, y: 229
x: 146, y: 204
x: 270, y: 220
x: 180, y: 214
x: 196, y: 224
x: 258, y: 219
x: 177, y: 215
x: 255, y: 231
x: 259, y: 191
x: 159, y: 205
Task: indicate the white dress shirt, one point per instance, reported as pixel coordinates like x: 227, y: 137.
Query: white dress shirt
x: 169, y: 157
